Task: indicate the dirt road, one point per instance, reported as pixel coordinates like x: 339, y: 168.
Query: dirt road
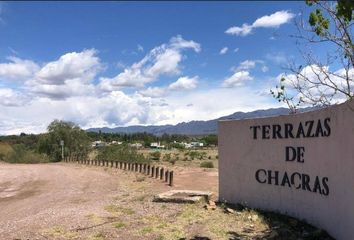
x: 68, y: 201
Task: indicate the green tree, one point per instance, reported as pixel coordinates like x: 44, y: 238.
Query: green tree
x: 76, y: 141
x: 329, y: 24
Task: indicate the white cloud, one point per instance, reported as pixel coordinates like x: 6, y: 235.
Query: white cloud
x: 120, y: 65
x: 246, y: 65
x: 269, y: 21
x: 201, y: 104
x: 184, y: 83
x: 17, y: 69
x: 274, y: 20
x: 265, y: 69
x: 154, y: 92
x: 68, y: 89
x: 223, y: 50
x: 162, y: 60
x: 12, y: 98
x: 179, y: 43
x: 71, y: 66
x: 240, y: 31
x: 315, y: 82
x: 71, y: 75
x: 140, y: 48
x: 236, y: 50
x: 120, y: 109
x: 237, y: 79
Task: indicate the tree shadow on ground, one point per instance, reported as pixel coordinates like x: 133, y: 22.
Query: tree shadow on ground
x: 196, y: 238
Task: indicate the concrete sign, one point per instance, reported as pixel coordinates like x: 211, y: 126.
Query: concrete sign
x: 301, y: 165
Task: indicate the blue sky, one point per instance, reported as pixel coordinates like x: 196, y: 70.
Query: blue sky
x: 124, y: 63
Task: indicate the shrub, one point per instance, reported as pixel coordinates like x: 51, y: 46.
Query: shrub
x: 5, y: 150
x: 122, y: 153
x: 207, y: 164
x: 155, y: 156
x: 21, y: 155
x: 167, y: 157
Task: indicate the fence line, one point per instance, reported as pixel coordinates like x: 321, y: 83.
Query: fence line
x: 144, y: 168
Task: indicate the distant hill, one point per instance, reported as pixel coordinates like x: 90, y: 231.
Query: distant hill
x: 195, y: 127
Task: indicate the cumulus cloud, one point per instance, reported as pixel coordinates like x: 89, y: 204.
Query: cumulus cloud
x: 246, y: 65
x: 240, y: 31
x: 250, y: 64
x: 17, y: 69
x: 120, y: 109
x: 71, y: 75
x: 223, y: 50
x: 162, y: 60
x: 320, y: 81
x: 12, y: 98
x: 81, y: 66
x: 269, y: 21
x: 184, y: 83
x: 237, y: 79
x: 154, y: 92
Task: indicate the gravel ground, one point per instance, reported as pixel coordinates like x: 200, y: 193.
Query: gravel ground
x: 70, y: 201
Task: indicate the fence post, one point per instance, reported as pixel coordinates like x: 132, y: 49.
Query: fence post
x: 152, y: 171
x: 157, y: 171
x: 171, y: 179
x: 166, y: 175
x: 148, y: 170
x: 161, y: 173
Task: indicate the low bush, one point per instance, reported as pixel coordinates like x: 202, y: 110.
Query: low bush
x: 207, y: 164
x: 155, y: 156
x: 20, y: 154
x: 122, y: 153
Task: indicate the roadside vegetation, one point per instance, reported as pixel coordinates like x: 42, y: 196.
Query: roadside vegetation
x: 78, y: 144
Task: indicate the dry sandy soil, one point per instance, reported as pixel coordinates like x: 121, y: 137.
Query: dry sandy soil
x: 70, y: 201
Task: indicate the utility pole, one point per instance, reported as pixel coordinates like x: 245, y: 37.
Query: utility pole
x: 62, y: 149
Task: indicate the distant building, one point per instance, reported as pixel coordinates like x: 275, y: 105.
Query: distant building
x: 98, y: 144
x: 136, y: 145
x: 156, y: 145
x: 197, y: 144
x: 192, y: 144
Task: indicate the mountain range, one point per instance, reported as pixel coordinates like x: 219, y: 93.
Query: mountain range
x: 195, y: 127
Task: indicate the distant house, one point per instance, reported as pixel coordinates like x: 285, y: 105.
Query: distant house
x: 98, y: 144
x: 197, y: 144
x: 136, y: 145
x: 116, y: 143
x: 156, y: 145
x: 192, y: 144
